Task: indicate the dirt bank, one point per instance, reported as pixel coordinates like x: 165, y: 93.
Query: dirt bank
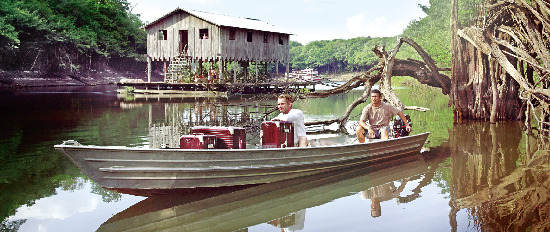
x: 24, y: 79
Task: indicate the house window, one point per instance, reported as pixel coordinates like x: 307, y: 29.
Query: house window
x: 281, y: 39
x: 249, y: 36
x: 266, y: 36
x: 232, y: 33
x: 163, y: 35
x: 203, y: 33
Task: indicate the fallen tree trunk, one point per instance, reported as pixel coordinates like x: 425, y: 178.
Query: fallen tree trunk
x: 388, y: 66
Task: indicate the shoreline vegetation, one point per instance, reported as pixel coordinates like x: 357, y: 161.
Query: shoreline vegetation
x: 28, y: 79
x: 67, y: 44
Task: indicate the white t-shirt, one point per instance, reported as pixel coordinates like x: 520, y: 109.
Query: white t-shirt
x: 295, y: 116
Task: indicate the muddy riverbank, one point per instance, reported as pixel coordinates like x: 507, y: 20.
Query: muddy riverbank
x: 24, y: 79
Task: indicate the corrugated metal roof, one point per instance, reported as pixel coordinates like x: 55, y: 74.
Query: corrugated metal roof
x: 227, y: 21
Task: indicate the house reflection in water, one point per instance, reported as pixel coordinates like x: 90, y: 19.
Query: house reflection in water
x: 292, y: 222
x: 180, y: 117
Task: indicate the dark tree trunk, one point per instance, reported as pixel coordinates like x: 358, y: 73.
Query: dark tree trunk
x: 481, y: 88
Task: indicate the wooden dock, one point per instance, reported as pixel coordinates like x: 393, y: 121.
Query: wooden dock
x: 217, y: 89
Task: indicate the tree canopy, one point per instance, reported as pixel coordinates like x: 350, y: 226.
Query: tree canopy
x: 61, y: 32
x: 49, y: 35
x: 431, y: 32
x: 339, y: 55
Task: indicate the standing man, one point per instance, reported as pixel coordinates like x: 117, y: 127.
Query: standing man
x: 296, y: 116
x: 379, y: 115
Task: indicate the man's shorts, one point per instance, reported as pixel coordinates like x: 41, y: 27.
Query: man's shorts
x: 377, y: 134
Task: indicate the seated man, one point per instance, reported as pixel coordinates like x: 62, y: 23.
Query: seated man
x: 296, y: 116
x: 379, y: 115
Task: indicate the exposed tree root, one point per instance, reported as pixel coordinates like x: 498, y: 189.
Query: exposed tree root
x: 499, y: 57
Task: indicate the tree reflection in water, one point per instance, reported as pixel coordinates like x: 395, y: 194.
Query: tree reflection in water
x: 496, y: 174
x: 503, y: 189
x: 502, y: 183
x: 179, y: 118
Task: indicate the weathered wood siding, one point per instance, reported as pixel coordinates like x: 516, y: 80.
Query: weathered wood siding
x: 165, y: 50
x: 218, y: 44
x: 242, y: 50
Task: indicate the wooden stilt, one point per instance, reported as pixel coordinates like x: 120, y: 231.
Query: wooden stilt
x: 221, y: 70
x: 235, y: 65
x: 200, y: 67
x: 245, y: 70
x: 148, y: 69
x: 287, y: 71
x: 165, y: 66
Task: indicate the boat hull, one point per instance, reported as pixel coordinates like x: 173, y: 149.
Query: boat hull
x: 141, y: 171
x: 237, y: 210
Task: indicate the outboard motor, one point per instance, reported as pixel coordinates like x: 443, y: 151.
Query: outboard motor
x: 399, y: 127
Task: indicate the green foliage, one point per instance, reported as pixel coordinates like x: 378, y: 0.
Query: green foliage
x: 19, y: 24
x: 102, y: 26
x: 94, y: 28
x: 438, y: 120
x: 129, y: 89
x: 304, y: 90
x: 106, y: 195
x: 336, y: 56
x: 432, y: 33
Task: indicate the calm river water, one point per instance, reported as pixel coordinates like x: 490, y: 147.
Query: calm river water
x: 470, y: 177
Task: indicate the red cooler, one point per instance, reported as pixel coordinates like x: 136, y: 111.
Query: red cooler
x: 277, y: 134
x: 227, y: 137
x: 198, y: 142
x: 239, y: 138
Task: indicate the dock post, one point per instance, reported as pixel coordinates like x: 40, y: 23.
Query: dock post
x: 164, y: 70
x: 245, y: 65
x: 148, y: 69
x: 235, y: 64
x: 256, y: 70
x: 287, y: 68
x: 200, y: 67
x: 221, y: 68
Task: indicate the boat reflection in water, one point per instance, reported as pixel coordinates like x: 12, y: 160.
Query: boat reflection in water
x: 281, y: 204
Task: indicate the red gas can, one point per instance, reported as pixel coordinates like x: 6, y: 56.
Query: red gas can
x: 277, y: 134
x: 227, y: 137
x: 198, y: 142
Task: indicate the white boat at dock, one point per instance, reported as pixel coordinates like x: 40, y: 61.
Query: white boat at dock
x: 307, y: 74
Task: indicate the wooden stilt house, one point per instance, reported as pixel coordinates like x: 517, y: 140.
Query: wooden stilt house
x: 209, y: 37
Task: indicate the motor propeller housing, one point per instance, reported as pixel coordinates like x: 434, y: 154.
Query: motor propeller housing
x: 399, y: 127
